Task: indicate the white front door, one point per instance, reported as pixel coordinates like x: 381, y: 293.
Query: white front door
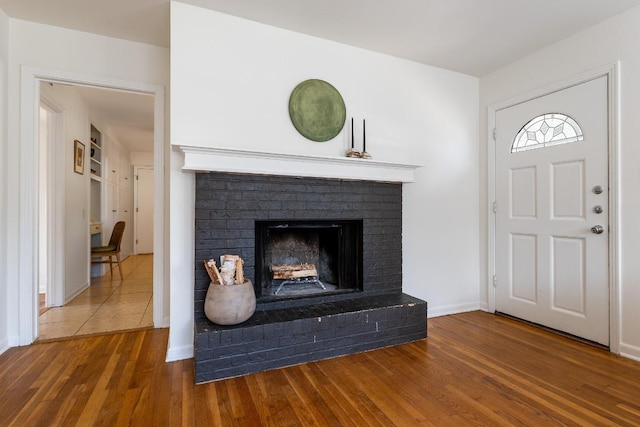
x: 551, y: 189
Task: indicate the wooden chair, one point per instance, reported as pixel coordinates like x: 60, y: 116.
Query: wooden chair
x: 111, y: 250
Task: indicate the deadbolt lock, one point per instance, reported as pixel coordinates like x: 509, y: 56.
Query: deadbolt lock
x: 597, y: 189
x: 597, y: 209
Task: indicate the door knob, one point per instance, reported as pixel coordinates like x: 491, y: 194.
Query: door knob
x: 597, y: 229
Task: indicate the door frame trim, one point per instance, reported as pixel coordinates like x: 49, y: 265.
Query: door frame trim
x: 612, y: 72
x: 27, y: 287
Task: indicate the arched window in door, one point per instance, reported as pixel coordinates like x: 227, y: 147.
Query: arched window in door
x: 547, y: 130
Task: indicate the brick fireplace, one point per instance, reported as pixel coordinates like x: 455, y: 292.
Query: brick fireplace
x: 365, y: 308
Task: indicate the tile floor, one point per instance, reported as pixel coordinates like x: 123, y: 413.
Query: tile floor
x: 107, y: 305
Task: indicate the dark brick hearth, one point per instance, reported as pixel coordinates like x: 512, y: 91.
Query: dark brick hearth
x: 287, y: 331
x: 284, y: 337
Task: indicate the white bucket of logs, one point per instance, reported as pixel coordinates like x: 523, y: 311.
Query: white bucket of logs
x: 230, y: 298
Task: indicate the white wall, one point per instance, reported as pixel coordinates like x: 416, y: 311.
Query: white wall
x: 4, y: 63
x: 139, y: 158
x: 230, y: 84
x: 70, y: 51
x: 600, y: 45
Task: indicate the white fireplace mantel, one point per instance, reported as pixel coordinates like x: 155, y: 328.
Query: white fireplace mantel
x: 202, y: 159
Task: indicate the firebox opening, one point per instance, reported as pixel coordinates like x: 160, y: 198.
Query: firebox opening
x: 306, y: 258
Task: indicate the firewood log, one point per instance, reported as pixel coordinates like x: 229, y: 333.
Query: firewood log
x: 239, y: 270
x: 293, y: 271
x: 212, y: 271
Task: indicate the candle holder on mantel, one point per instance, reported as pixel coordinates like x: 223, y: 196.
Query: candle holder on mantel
x: 358, y: 154
x: 351, y: 152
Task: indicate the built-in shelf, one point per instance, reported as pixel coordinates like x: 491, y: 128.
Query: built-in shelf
x: 201, y: 159
x: 96, y: 153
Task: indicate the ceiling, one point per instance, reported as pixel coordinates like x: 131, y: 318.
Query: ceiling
x: 470, y: 36
x: 127, y: 116
x: 473, y: 37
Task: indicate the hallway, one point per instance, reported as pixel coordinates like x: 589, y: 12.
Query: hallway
x: 107, y: 305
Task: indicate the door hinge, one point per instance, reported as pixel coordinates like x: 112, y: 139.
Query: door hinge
x: 495, y: 134
x: 136, y: 210
x: 136, y: 177
x: 136, y: 241
x: 495, y: 281
x: 494, y: 207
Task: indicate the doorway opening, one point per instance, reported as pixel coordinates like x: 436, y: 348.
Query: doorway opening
x: 89, y: 298
x: 26, y: 295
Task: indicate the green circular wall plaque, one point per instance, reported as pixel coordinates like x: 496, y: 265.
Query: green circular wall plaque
x: 317, y: 110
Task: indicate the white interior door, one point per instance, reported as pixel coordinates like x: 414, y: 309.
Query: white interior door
x: 551, y: 267
x: 124, y: 214
x: 143, y: 210
x: 51, y: 190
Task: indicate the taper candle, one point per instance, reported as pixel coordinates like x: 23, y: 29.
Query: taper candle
x: 364, y: 137
x: 352, y: 133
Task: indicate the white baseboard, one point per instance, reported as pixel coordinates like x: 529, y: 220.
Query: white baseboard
x: 166, y: 322
x: 14, y: 341
x: 630, y: 351
x: 452, y: 309
x: 69, y: 298
x: 179, y: 353
x: 4, y: 345
x: 163, y: 323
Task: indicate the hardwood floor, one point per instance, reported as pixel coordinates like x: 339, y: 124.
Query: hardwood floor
x: 474, y: 369
x: 107, y: 305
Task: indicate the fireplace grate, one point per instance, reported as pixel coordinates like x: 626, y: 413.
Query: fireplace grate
x: 300, y: 281
x: 295, y: 274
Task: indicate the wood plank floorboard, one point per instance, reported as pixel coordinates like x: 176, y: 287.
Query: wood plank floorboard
x: 475, y: 369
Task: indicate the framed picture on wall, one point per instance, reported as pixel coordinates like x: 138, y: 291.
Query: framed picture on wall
x: 78, y: 157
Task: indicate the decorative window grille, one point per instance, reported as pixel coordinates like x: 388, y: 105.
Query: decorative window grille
x: 547, y: 130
